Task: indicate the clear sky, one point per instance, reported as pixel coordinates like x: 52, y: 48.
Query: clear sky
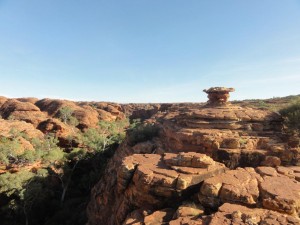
x: 149, y: 50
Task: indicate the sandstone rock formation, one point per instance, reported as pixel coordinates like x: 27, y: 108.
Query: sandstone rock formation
x: 237, y: 214
x: 228, y: 214
x: 43, y: 115
x: 7, y: 126
x: 234, y: 186
x: 263, y: 187
x: 24, y: 111
x: 152, y: 181
x: 230, y: 134
x: 280, y: 189
x: 217, y: 163
x: 218, y: 95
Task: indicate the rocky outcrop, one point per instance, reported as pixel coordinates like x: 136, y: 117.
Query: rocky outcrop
x: 280, y: 189
x: 218, y: 95
x: 263, y: 187
x: 209, y: 164
x: 17, y: 130
x: 87, y: 114
x: 237, y: 214
x: 55, y: 126
x: 233, y: 135
x: 144, y: 111
x: 38, y: 117
x: 24, y: 111
x: 8, y: 127
x: 115, y: 110
x: 30, y: 99
x: 234, y: 186
x: 227, y: 214
x: 150, y: 181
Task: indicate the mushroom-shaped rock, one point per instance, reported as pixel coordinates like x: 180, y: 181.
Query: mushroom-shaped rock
x: 218, y: 95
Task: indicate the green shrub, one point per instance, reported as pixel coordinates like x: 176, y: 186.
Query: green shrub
x: 105, y: 134
x: 9, y: 149
x: 142, y: 132
x: 262, y: 104
x: 29, y: 155
x: 66, y: 116
x: 291, y: 115
x: 53, y: 155
x: 10, y: 183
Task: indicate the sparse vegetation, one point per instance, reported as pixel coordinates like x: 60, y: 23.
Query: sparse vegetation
x: 49, y: 183
x: 66, y: 115
x: 243, y: 141
x: 291, y: 115
x: 140, y: 132
x: 274, y: 104
x: 53, y: 183
x: 99, y: 138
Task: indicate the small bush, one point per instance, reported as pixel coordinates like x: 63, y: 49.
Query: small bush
x: 107, y: 133
x: 142, y: 132
x: 66, y: 116
x: 9, y: 150
x: 29, y: 156
x: 291, y: 115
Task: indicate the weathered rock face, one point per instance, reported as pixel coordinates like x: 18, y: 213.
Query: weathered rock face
x: 150, y: 181
x: 185, y: 214
x: 233, y: 135
x: 24, y: 111
x: 38, y: 117
x: 6, y: 126
x: 144, y: 111
x: 280, y: 189
x: 86, y: 115
x: 228, y: 214
x: 237, y: 214
x: 106, y: 111
x: 272, y: 188
x: 234, y: 186
x: 34, y: 111
x: 30, y: 99
x: 218, y: 95
x: 9, y: 129
x: 61, y: 130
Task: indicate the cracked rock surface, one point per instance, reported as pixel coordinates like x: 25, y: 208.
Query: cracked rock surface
x: 210, y: 164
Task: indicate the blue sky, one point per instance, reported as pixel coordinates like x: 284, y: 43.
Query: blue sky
x: 149, y: 50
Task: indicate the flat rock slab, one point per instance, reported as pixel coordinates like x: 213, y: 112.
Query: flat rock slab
x: 234, y: 186
x: 189, y: 159
x: 187, y: 221
x: 146, y: 177
x: 280, y: 189
x: 185, y: 214
x: 231, y: 214
x: 273, y: 188
x: 159, y: 217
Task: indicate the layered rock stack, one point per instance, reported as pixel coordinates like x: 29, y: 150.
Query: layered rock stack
x: 230, y: 134
x: 218, y: 95
x: 210, y: 164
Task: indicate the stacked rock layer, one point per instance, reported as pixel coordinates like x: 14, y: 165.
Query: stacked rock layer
x: 211, y: 164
